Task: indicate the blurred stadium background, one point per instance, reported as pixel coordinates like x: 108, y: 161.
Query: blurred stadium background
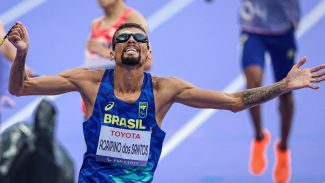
x: 198, y: 42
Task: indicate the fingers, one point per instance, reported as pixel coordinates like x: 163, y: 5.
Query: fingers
x: 318, y: 74
x: 20, y: 30
x: 315, y: 87
x: 301, y: 62
x: 23, y: 28
x: 14, y: 37
x: 17, y: 32
x: 317, y: 68
x: 319, y: 79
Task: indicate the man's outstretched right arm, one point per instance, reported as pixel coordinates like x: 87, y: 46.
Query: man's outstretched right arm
x: 20, y: 84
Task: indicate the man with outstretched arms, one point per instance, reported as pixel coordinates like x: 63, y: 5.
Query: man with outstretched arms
x: 126, y: 106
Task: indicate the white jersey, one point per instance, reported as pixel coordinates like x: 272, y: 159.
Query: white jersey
x: 269, y: 16
x: 104, y: 37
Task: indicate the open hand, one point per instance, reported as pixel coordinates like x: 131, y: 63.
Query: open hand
x: 301, y: 78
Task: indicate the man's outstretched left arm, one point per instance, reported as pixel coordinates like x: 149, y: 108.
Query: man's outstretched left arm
x: 297, y: 78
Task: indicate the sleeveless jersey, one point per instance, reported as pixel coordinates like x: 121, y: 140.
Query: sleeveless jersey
x: 123, y: 140
x: 269, y: 16
x: 104, y: 37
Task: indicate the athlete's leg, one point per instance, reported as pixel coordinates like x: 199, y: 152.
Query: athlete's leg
x: 253, y: 51
x: 254, y: 77
x: 252, y: 58
x: 286, y: 108
x: 282, y: 52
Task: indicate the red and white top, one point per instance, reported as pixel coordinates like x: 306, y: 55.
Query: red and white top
x: 104, y: 37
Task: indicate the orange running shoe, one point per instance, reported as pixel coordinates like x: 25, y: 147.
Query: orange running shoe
x: 282, y: 167
x: 258, y: 158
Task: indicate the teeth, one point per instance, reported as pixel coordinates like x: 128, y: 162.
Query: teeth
x: 131, y: 49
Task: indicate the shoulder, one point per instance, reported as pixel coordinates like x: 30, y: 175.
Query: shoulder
x: 164, y: 80
x: 95, y: 21
x: 136, y: 17
x: 167, y: 88
x: 170, y: 83
x: 135, y: 13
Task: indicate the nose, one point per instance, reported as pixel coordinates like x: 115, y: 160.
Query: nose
x: 131, y: 39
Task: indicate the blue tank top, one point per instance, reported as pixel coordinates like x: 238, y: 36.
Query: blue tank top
x: 123, y: 140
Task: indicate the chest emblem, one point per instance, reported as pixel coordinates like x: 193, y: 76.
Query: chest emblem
x: 143, y: 109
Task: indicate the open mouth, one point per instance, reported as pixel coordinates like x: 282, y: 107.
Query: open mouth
x: 131, y: 50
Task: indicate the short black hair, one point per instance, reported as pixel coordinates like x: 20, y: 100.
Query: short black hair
x: 124, y: 26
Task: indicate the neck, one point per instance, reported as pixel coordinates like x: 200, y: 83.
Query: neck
x: 128, y: 80
x: 115, y: 10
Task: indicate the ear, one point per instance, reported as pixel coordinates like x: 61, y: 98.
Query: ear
x: 149, y: 55
x: 111, y: 54
x: 148, y: 60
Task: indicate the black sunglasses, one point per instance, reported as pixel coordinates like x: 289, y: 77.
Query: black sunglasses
x: 139, y: 37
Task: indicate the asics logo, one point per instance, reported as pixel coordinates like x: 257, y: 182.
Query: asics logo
x: 109, y: 106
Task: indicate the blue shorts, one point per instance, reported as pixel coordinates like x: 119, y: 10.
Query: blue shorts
x: 282, y: 49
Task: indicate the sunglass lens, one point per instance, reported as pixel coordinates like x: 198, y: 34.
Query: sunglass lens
x: 122, y: 38
x: 140, y: 37
x: 137, y: 36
